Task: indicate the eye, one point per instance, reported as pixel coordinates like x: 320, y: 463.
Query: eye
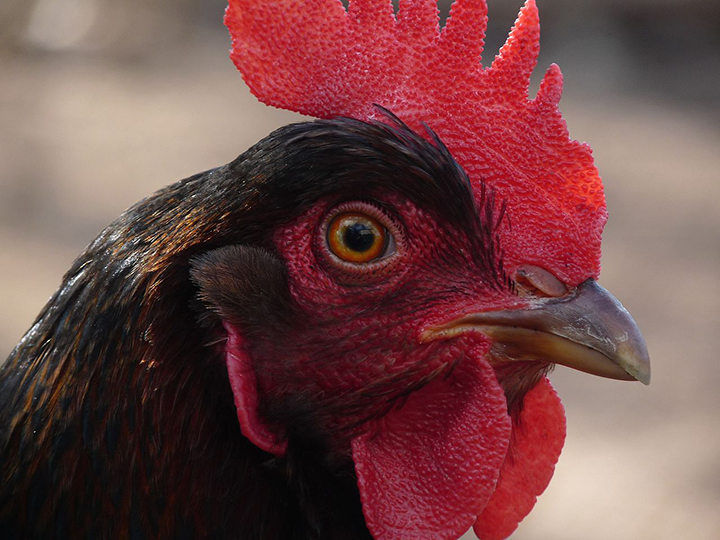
x: 358, y: 238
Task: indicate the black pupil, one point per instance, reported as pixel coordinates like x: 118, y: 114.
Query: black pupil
x: 359, y: 237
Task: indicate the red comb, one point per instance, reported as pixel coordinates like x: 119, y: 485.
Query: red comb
x: 316, y: 58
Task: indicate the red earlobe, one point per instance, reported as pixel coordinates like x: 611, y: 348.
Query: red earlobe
x: 244, y: 387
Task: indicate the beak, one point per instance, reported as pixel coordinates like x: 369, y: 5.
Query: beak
x: 588, y: 330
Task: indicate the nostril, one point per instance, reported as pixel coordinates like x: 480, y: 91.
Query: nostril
x: 535, y: 280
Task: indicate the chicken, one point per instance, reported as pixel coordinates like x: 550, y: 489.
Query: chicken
x: 345, y: 332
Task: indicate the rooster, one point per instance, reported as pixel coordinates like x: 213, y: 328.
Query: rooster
x: 345, y: 332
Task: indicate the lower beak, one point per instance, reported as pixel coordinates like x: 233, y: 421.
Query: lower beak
x: 588, y: 330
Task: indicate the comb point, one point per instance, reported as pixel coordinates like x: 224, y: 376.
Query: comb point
x: 514, y: 64
x: 551, y: 87
x: 463, y: 38
x: 421, y: 13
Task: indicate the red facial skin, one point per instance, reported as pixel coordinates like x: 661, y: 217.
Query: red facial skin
x: 362, y: 323
x: 426, y: 424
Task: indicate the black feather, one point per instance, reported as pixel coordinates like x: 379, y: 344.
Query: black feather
x: 116, y: 417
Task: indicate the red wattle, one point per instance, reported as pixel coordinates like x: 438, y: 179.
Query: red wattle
x: 426, y: 469
x: 535, y: 448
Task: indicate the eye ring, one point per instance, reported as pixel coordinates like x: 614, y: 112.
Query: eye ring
x: 376, y: 234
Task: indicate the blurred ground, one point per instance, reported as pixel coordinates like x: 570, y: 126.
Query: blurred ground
x: 91, y: 121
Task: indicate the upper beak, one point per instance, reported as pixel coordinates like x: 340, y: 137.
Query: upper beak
x: 588, y: 329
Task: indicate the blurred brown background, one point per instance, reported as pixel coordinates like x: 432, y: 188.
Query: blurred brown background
x: 102, y: 102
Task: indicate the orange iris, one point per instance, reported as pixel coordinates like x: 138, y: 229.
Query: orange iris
x: 356, y: 237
